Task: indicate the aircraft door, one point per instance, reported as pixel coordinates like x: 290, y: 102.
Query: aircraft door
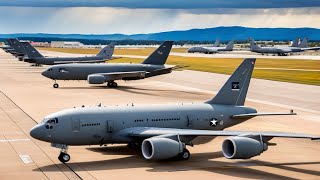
x: 110, y: 126
x: 75, y: 123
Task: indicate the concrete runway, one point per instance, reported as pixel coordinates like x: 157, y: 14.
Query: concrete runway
x: 26, y: 97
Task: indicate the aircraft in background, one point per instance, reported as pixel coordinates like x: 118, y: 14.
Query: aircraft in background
x: 108, y: 73
x: 282, y: 51
x: 211, y: 50
x: 304, y: 46
x: 20, y: 52
x: 33, y: 56
x: 164, y: 131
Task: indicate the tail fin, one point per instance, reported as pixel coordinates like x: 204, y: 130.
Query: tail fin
x: 160, y: 55
x: 230, y: 45
x: 234, y: 91
x: 295, y: 43
x: 16, y: 45
x: 217, y: 43
x: 107, y: 51
x: 253, y: 44
x: 304, y: 43
x: 30, y: 50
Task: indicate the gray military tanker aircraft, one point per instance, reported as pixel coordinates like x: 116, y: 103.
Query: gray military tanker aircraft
x: 164, y: 130
x: 20, y: 52
x: 211, y: 50
x: 108, y: 73
x: 33, y: 56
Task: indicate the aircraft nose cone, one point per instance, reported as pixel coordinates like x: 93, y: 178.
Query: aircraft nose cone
x: 45, y: 73
x: 37, y: 132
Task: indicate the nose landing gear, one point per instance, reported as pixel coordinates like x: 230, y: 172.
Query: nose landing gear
x: 55, y: 85
x: 64, y: 156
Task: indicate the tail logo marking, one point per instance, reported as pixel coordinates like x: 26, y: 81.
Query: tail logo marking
x: 235, y: 86
x: 159, y: 52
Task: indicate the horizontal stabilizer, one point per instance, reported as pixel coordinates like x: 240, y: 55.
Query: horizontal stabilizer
x: 239, y: 116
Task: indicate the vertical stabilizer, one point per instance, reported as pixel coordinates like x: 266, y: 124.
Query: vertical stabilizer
x: 304, y: 43
x: 234, y: 91
x: 30, y: 50
x: 230, y: 45
x: 295, y: 43
x: 107, y: 51
x: 253, y: 44
x: 160, y: 55
x: 217, y: 43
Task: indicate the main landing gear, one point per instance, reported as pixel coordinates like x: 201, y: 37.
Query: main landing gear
x: 112, y: 84
x: 185, y: 155
x: 55, y: 85
x: 64, y: 156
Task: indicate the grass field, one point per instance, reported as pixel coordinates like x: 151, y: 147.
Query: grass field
x: 285, y: 70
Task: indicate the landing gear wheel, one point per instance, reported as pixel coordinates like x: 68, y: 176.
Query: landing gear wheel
x: 185, y: 155
x: 64, y: 157
x: 112, y: 84
x: 55, y: 85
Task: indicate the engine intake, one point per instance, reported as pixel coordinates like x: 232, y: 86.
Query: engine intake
x: 242, y: 147
x: 160, y: 148
x: 96, y: 79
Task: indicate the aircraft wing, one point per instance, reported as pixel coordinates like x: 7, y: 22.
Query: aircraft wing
x: 311, y: 49
x: 87, y: 61
x: 147, y: 132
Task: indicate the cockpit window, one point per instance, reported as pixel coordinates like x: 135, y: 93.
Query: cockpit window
x: 50, y: 122
x: 50, y: 69
x: 62, y: 70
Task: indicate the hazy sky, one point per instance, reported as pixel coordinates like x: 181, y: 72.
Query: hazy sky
x: 145, y: 16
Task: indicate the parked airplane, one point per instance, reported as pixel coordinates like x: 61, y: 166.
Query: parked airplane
x: 164, y: 130
x: 304, y: 46
x: 108, y: 73
x: 33, y: 56
x: 20, y: 52
x: 211, y: 50
x: 281, y: 51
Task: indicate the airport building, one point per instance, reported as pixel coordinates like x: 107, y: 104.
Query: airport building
x: 66, y: 44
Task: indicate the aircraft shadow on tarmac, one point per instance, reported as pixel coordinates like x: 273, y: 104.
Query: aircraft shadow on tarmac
x: 198, y: 161
x: 136, y: 90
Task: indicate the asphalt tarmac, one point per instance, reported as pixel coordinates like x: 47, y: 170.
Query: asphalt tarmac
x: 26, y: 97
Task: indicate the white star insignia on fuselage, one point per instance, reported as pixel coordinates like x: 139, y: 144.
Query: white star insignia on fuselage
x: 213, y: 122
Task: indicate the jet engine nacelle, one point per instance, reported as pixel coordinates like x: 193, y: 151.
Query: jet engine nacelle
x: 96, y: 79
x: 158, y: 148
x: 242, y: 147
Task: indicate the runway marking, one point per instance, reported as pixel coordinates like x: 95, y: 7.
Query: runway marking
x: 13, y: 140
x: 26, y: 159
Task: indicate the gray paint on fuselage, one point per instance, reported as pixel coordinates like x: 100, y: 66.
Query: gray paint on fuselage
x: 188, y: 116
x: 82, y: 71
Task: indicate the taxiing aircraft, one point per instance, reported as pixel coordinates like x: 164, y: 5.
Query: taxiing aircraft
x: 164, y: 131
x: 33, y: 56
x: 211, y: 50
x: 108, y: 73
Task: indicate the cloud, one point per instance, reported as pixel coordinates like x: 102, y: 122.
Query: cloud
x: 102, y: 20
x: 165, y: 4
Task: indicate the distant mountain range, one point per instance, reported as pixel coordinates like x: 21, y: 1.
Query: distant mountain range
x: 207, y: 34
